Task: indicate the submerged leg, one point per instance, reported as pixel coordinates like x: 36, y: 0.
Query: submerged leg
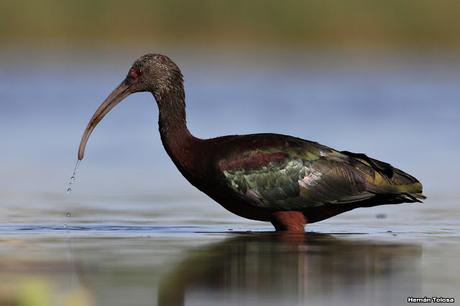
x: 289, y: 221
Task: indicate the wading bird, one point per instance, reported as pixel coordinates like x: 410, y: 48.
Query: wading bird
x: 281, y: 179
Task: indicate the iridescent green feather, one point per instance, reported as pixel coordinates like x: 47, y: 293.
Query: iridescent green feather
x: 311, y: 176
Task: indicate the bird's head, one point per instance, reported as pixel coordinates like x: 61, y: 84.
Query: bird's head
x: 153, y: 73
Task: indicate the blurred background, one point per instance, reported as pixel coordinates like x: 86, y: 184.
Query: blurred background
x: 367, y: 76
x: 379, y: 77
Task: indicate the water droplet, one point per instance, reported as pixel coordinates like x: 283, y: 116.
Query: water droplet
x: 73, y: 178
x: 68, y: 214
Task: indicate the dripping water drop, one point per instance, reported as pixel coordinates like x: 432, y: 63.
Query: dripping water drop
x: 68, y: 214
x: 72, y: 178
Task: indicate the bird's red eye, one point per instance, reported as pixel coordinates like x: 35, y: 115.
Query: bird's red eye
x: 134, y: 73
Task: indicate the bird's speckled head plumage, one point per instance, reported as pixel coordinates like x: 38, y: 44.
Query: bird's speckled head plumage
x: 155, y: 73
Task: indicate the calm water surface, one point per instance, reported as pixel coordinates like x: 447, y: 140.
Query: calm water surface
x: 138, y: 234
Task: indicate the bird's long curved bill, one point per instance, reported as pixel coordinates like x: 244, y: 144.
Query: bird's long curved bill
x: 119, y: 93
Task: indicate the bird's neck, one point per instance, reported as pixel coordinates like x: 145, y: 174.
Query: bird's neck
x: 180, y: 144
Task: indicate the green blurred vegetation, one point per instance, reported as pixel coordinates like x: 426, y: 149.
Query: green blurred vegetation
x: 379, y: 23
x: 38, y: 290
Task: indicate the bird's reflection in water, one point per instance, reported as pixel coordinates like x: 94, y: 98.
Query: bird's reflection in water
x: 314, y: 269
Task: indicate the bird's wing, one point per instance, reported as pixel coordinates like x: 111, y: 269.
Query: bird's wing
x: 310, y: 175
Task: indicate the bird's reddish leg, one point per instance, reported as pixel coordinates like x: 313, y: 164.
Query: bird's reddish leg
x: 289, y: 221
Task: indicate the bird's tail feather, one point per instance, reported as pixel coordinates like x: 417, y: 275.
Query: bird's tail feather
x: 402, y: 186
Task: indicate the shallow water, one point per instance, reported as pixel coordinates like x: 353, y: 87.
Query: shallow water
x: 358, y: 258
x: 138, y: 232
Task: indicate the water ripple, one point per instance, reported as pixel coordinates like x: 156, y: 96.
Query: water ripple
x: 106, y: 228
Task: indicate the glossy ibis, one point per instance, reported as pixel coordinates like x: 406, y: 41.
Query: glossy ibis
x: 281, y: 179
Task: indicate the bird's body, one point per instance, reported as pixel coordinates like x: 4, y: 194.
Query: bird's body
x: 285, y: 180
